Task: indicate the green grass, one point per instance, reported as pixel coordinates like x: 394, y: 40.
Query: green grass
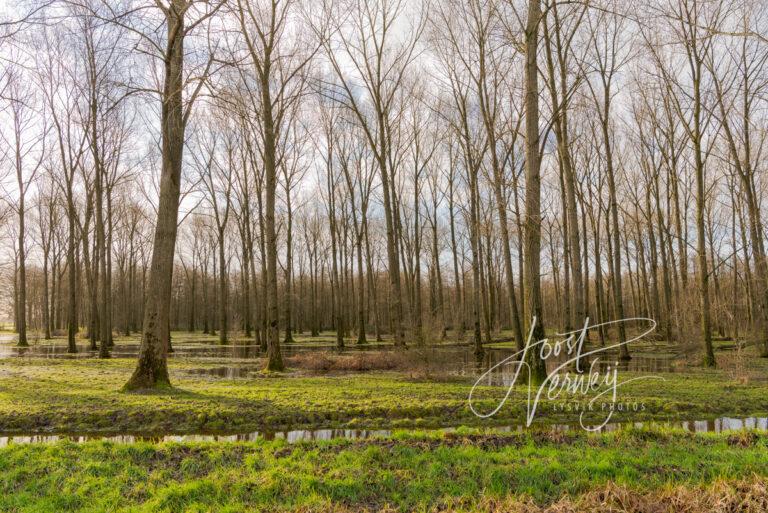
x: 84, y: 395
x: 412, y: 472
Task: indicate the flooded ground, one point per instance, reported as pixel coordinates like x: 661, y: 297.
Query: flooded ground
x: 452, y: 358
x: 497, y: 366
x: 131, y: 350
x: 503, y: 364
x: 461, y: 361
x: 183, y: 347
x: 717, y: 425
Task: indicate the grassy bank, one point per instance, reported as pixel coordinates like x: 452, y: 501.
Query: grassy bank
x: 464, y: 471
x: 38, y: 395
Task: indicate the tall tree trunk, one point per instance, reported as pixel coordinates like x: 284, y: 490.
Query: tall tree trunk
x: 22, y: 265
x: 458, y: 304
x: 560, y: 104
x: 440, y: 302
x: 223, y: 292
x: 615, y: 243
x: 335, y: 280
x: 46, y: 298
x: 99, y: 308
x: 71, y: 273
x: 246, y: 288
x: 417, y: 292
x: 701, y: 242
x: 274, y: 356
x: 474, y: 236
x: 373, y: 296
x: 288, y: 268
x: 152, y: 367
x: 501, y: 205
x: 532, y: 248
x: 393, y: 260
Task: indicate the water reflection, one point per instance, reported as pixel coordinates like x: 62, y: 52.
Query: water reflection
x: 718, y: 425
x: 463, y: 361
x: 181, y: 349
x: 459, y: 360
x: 503, y: 375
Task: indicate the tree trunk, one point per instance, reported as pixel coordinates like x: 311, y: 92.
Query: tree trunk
x: 274, y: 356
x: 22, y: 267
x: 288, y: 269
x: 152, y: 367
x: 223, y: 296
x: 71, y: 274
x: 532, y: 248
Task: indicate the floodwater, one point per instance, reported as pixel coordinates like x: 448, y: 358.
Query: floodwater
x: 717, y: 425
x: 455, y: 359
x: 451, y: 358
x: 131, y: 350
x: 503, y: 365
x: 462, y: 361
x: 181, y: 349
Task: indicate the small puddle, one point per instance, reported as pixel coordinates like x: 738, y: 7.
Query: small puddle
x: 717, y: 425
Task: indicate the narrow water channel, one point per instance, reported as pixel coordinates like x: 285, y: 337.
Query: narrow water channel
x: 717, y: 425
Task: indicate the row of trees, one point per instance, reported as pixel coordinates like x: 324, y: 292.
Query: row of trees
x: 385, y: 168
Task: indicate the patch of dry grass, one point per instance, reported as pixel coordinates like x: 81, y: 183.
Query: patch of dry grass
x: 743, y: 496
x: 415, y: 362
x: 326, y: 361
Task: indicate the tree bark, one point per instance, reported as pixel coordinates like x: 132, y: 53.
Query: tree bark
x: 152, y: 367
x: 532, y: 248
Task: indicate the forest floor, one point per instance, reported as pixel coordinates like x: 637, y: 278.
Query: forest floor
x: 84, y: 395
x: 634, y: 470
x: 474, y: 467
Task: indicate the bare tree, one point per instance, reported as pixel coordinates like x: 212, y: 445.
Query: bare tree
x: 280, y: 58
x: 151, y: 369
x: 25, y: 140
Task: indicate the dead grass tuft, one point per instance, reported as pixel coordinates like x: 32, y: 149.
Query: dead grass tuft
x: 743, y: 439
x: 323, y: 361
x: 745, y: 496
x: 416, y: 362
